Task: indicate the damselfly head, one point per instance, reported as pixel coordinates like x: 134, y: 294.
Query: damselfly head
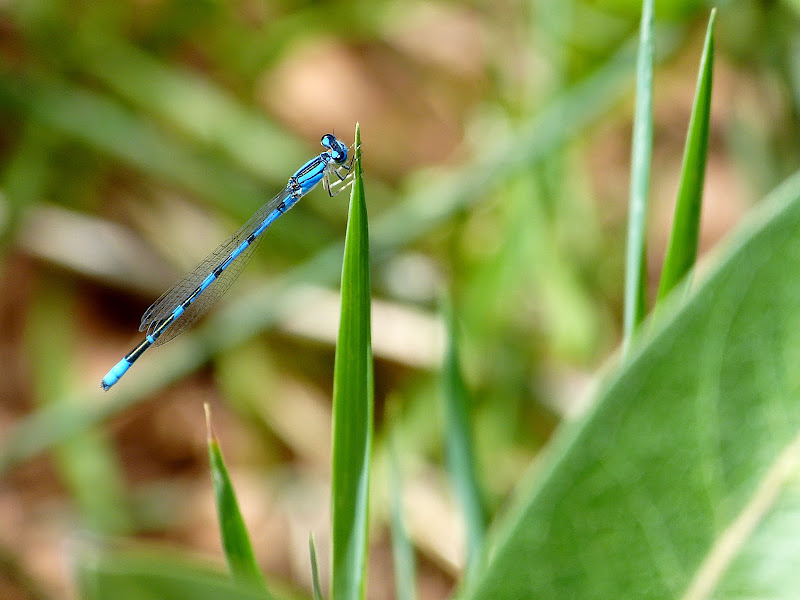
x: 337, y: 149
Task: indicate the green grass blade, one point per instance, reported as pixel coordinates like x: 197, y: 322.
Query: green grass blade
x: 641, y: 156
x: 316, y: 587
x: 86, y: 463
x: 460, y: 455
x: 24, y: 179
x: 352, y: 405
x: 402, y: 550
x: 682, y: 248
x: 105, y: 574
x: 195, y: 106
x: 116, y: 131
x: 235, y: 540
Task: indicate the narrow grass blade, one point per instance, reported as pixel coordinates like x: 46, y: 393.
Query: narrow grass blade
x: 109, y: 574
x: 215, y: 119
x: 110, y: 128
x: 235, y: 540
x: 317, y: 588
x: 402, y: 551
x: 24, y: 179
x: 86, y: 463
x: 641, y: 155
x: 460, y: 457
x: 352, y: 405
x: 682, y: 248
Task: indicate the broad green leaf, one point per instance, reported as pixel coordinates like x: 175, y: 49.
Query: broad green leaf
x: 352, y: 405
x: 235, y: 540
x: 460, y: 456
x: 682, y: 248
x: 405, y: 578
x: 675, y: 483
x: 111, y: 575
x: 641, y: 156
x: 422, y: 211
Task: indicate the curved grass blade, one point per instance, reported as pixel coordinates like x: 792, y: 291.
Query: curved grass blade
x: 402, y: 551
x: 215, y: 119
x: 682, y: 248
x: 151, y: 575
x: 460, y: 456
x: 316, y: 587
x: 24, y: 179
x: 109, y: 127
x: 352, y: 405
x: 87, y: 464
x: 235, y: 540
x: 641, y: 156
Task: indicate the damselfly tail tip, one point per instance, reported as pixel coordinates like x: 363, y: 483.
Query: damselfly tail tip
x: 117, y: 371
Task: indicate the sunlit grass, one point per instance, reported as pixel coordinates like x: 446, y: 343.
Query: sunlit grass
x: 233, y: 532
x: 684, y: 238
x: 352, y: 405
x: 641, y: 157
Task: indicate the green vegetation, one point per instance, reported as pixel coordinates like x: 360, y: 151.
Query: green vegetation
x: 682, y: 249
x: 601, y: 408
x: 235, y: 539
x: 352, y: 405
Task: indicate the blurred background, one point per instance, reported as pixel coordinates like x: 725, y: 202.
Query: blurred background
x: 135, y: 136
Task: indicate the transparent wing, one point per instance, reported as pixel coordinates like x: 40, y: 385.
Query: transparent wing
x: 207, y: 298
x: 162, y: 308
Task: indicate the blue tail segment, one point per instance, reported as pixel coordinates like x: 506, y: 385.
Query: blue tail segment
x: 117, y: 371
x: 192, y: 296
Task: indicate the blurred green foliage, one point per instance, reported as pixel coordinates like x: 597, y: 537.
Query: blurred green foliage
x: 496, y: 145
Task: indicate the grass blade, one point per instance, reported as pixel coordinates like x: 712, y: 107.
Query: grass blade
x: 24, y: 179
x: 682, y: 248
x: 110, y: 128
x: 352, y: 405
x: 235, y: 540
x: 460, y: 457
x: 402, y: 550
x: 195, y: 106
x: 105, y: 573
x: 86, y: 463
x: 317, y: 588
x: 641, y: 156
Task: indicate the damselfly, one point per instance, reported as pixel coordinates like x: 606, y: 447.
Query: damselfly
x: 193, y: 295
